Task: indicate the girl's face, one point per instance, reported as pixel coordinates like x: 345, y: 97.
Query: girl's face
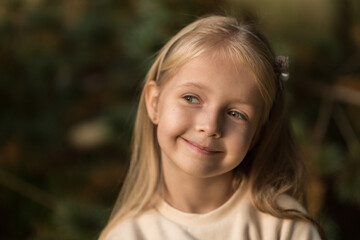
x: 207, y: 116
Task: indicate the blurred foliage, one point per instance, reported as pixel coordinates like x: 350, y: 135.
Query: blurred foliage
x: 70, y: 74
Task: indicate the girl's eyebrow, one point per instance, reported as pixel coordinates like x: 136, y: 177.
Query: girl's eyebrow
x: 192, y: 84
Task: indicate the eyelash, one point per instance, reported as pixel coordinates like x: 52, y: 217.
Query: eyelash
x: 189, y: 99
x: 237, y: 115
x: 234, y: 114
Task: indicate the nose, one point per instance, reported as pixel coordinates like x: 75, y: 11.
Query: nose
x: 209, y: 123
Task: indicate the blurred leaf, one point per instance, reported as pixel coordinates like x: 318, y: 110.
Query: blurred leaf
x: 348, y: 182
x: 330, y: 227
x: 330, y: 160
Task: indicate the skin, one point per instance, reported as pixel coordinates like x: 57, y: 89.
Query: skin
x: 206, y: 117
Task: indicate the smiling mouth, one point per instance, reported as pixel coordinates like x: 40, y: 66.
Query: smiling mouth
x: 201, y: 149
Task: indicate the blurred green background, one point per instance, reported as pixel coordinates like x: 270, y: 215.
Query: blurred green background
x: 70, y: 75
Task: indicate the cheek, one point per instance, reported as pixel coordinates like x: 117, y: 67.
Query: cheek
x: 173, y: 121
x: 241, y: 138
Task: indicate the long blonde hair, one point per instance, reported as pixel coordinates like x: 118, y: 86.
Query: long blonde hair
x: 272, y: 166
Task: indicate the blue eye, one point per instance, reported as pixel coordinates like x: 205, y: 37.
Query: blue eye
x: 191, y: 99
x: 237, y: 115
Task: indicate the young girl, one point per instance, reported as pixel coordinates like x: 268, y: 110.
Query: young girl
x: 213, y: 157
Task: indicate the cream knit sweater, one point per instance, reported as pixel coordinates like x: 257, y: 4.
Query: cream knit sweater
x: 236, y: 219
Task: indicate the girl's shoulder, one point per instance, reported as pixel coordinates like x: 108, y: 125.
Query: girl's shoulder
x: 275, y: 227
x: 284, y: 228
x: 287, y: 202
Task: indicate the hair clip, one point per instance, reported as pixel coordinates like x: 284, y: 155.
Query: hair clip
x: 282, y: 69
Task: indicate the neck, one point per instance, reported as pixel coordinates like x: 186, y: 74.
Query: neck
x: 197, y: 195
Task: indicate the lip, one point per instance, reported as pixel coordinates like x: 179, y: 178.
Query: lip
x: 201, y: 149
